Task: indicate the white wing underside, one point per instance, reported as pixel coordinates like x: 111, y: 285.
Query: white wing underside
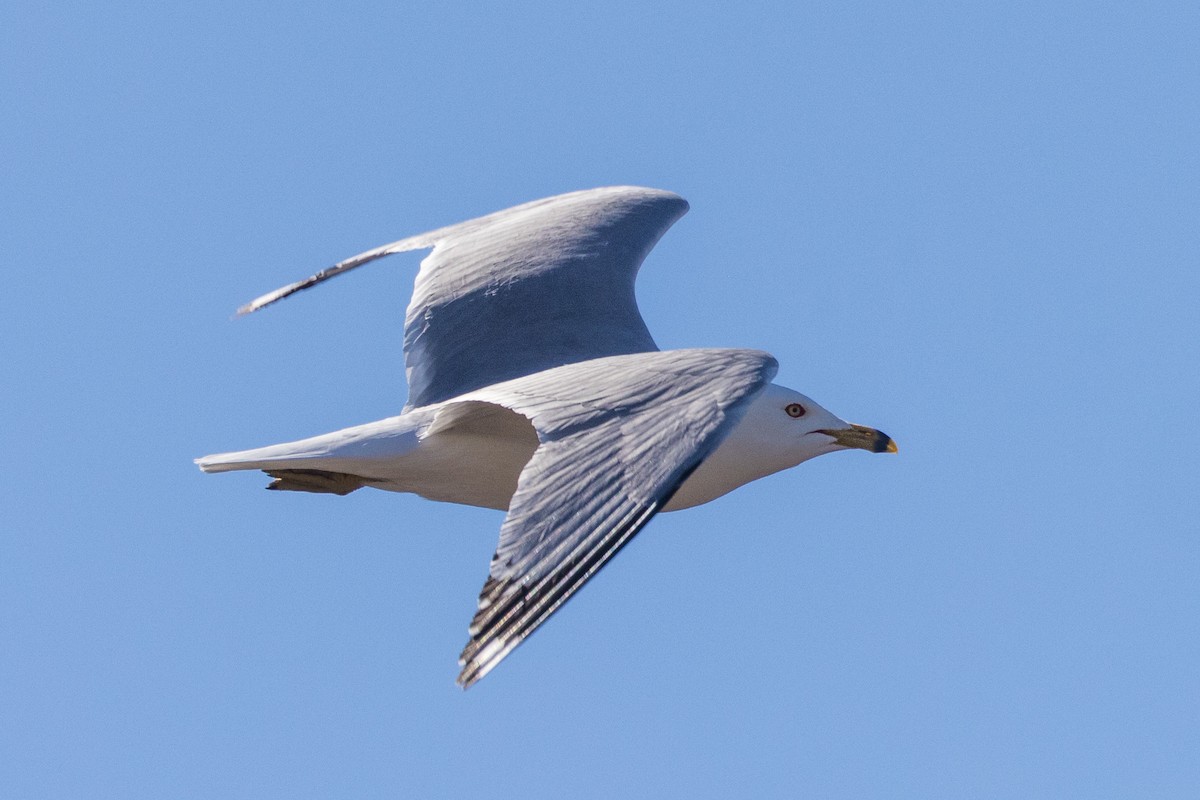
x: 617, y: 437
x: 523, y: 290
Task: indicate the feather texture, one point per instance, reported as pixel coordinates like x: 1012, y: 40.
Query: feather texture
x: 529, y: 288
x: 607, y: 461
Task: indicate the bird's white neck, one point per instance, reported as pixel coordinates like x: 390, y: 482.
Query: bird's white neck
x: 752, y: 450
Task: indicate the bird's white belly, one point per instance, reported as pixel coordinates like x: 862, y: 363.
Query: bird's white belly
x: 458, y: 468
x: 481, y: 470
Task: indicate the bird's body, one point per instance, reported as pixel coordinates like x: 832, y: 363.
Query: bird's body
x: 535, y: 388
x: 472, y: 453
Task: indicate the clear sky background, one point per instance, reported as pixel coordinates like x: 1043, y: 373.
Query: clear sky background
x: 974, y: 226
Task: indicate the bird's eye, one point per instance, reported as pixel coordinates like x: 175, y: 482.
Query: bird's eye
x: 794, y: 410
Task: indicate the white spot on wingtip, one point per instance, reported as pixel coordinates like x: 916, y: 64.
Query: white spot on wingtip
x: 489, y: 651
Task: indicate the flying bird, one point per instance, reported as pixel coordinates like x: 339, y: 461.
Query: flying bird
x: 535, y: 388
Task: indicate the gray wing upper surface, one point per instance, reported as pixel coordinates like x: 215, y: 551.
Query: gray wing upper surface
x: 617, y: 438
x: 526, y: 289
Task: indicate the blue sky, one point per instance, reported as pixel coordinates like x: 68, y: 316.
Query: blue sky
x: 974, y: 228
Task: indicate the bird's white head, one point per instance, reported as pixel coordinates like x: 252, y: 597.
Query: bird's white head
x: 780, y: 429
x: 786, y: 428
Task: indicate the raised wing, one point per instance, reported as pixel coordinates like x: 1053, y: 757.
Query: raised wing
x: 617, y: 437
x: 523, y: 290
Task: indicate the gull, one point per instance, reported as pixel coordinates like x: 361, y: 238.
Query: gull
x: 536, y: 389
